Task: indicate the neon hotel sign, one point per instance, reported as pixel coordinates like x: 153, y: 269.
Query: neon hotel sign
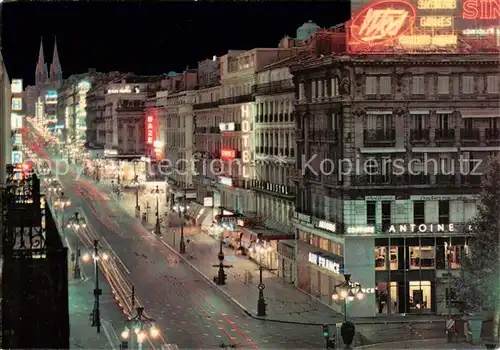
x: 429, y: 24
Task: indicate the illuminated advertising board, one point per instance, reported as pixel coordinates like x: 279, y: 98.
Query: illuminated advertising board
x: 17, y: 157
x: 16, y: 121
x: 227, y: 154
x: 424, y: 26
x: 17, y: 104
x: 150, y: 128
x: 16, y: 87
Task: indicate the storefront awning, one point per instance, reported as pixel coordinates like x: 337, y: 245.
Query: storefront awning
x: 480, y: 113
x: 205, y: 217
x: 194, y: 209
x: 266, y: 234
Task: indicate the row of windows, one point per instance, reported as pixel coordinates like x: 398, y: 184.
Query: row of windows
x: 276, y: 138
x: 383, y: 85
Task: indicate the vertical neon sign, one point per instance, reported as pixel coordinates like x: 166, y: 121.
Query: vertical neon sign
x: 150, y: 128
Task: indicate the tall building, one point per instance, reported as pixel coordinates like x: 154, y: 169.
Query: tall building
x: 411, y: 129
x: 5, y: 122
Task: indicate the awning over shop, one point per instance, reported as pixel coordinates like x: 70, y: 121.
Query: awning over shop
x: 194, y: 209
x: 265, y: 233
x: 480, y: 113
x: 205, y: 217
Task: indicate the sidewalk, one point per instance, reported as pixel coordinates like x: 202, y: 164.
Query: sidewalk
x: 423, y: 344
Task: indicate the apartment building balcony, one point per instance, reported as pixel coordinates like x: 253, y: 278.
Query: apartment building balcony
x: 273, y: 189
x: 274, y: 87
x: 470, y: 135
x: 471, y: 180
x: 420, y: 135
x: 444, y: 135
x: 380, y: 180
x: 206, y: 105
x: 323, y: 135
x: 236, y: 99
x: 442, y: 179
x: 379, y: 138
x: 207, y: 130
x: 419, y: 179
x: 492, y: 136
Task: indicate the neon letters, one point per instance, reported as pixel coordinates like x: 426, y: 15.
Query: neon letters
x: 481, y: 9
x: 437, y: 4
x: 383, y: 21
x: 150, y: 130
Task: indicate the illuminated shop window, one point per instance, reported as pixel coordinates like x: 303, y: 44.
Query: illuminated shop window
x: 422, y: 258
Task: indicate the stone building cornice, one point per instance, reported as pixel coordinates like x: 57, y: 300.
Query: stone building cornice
x: 313, y: 63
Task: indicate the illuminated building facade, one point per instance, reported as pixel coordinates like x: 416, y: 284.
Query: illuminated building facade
x: 5, y: 121
x: 179, y: 131
x: 390, y: 227
x: 124, y: 117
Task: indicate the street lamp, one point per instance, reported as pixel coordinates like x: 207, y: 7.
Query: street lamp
x: 96, y: 256
x: 157, y: 193
x: 347, y: 291
x: 136, y: 182
x: 76, y: 223
x: 220, y: 279
x: 62, y: 202
x: 261, y: 247
x: 182, y: 209
x: 141, y: 326
x: 449, y: 255
x: 54, y: 188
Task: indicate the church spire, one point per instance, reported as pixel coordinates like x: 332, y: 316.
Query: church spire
x: 55, y: 56
x: 55, y: 67
x: 41, y: 73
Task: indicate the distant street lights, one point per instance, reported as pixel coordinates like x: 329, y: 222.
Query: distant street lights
x: 260, y: 248
x: 96, y: 256
x: 76, y: 223
x: 54, y: 188
x: 141, y: 326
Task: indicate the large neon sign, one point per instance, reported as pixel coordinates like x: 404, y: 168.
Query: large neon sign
x: 383, y: 21
x: 481, y: 9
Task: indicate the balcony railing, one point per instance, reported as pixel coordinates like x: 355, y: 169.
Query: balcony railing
x: 323, y: 135
x: 380, y: 180
x: 469, y: 134
x: 420, y: 179
x: 271, y: 188
x: 445, y: 179
x: 379, y: 137
x: 236, y: 99
x: 274, y: 87
x: 206, y: 105
x: 420, y: 135
x: 492, y: 134
x: 471, y: 179
x: 445, y: 135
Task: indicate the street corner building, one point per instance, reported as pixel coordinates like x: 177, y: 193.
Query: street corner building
x: 401, y: 235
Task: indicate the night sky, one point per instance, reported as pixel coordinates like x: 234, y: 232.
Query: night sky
x: 149, y: 38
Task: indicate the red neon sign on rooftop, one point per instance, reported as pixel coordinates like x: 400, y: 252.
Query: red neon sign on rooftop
x: 481, y: 9
x: 383, y: 21
x: 227, y: 154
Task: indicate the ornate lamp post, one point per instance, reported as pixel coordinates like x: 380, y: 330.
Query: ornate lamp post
x: 157, y: 193
x: 141, y: 326
x: 136, y: 182
x: 62, y: 202
x: 76, y: 223
x: 261, y: 247
x: 347, y: 291
x: 96, y: 256
x: 182, y: 209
